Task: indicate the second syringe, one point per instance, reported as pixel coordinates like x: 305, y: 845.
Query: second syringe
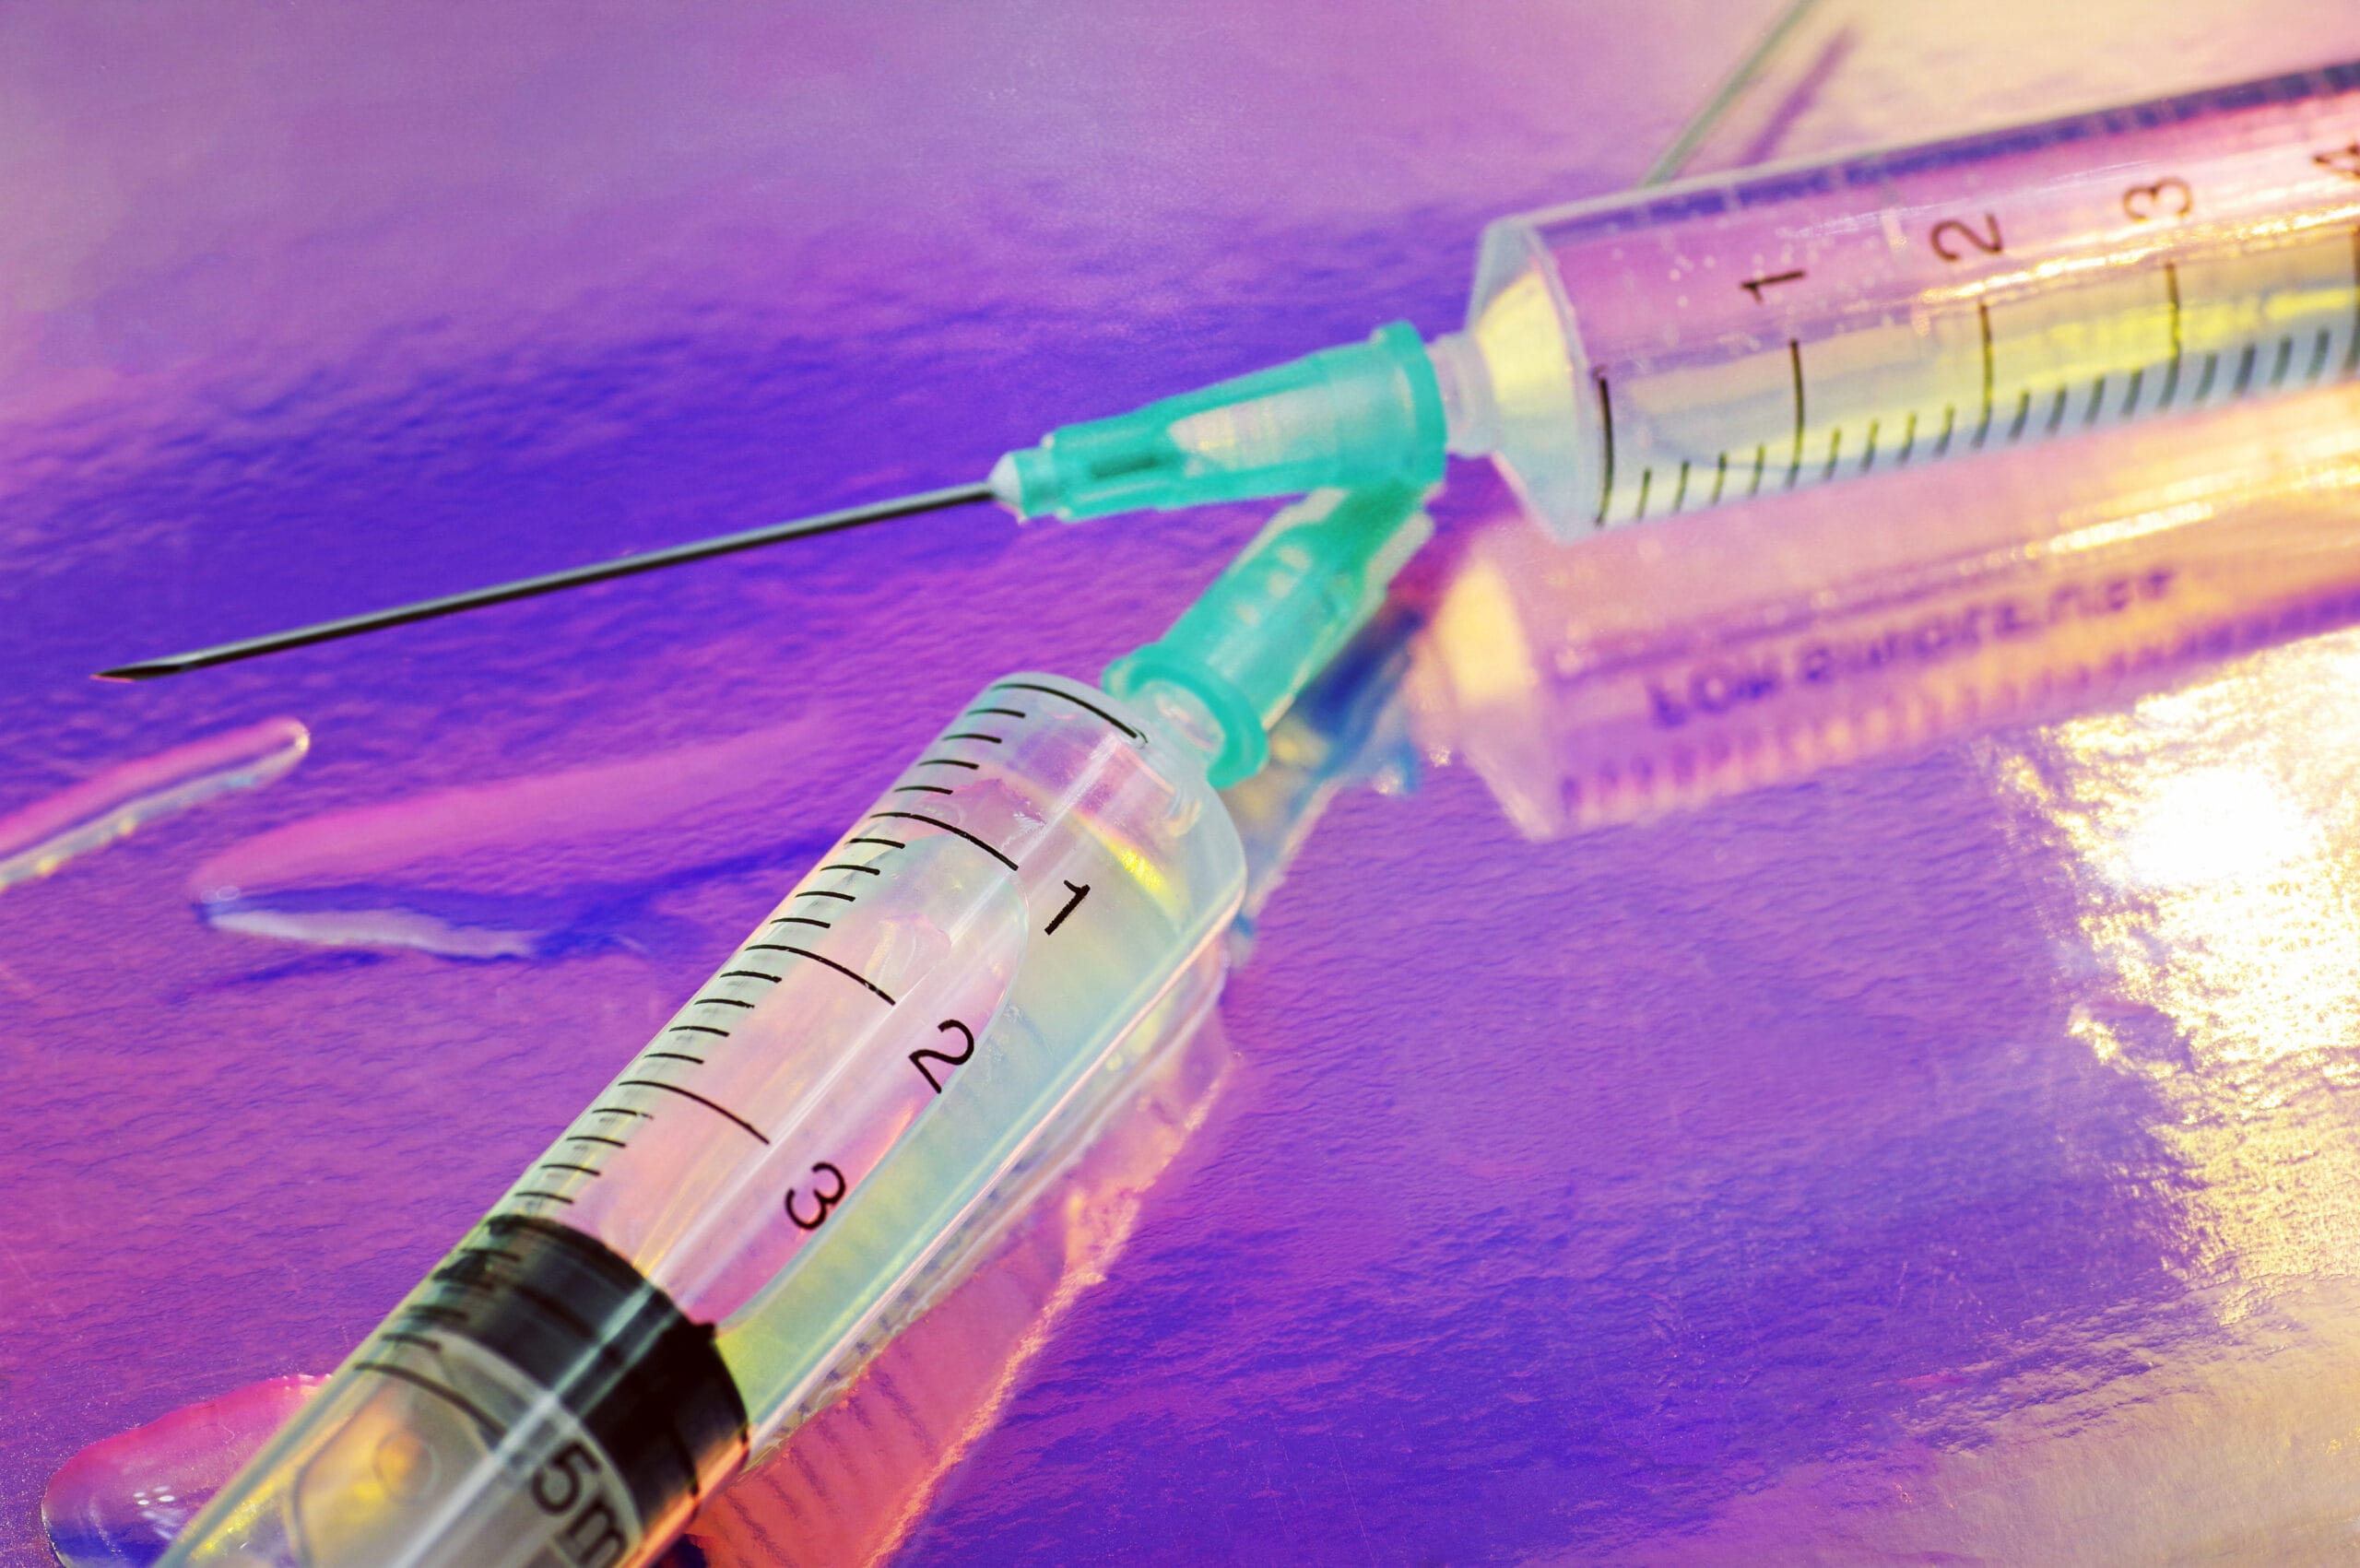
x: 1659, y: 352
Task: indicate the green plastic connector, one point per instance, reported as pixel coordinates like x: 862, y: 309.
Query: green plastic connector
x: 1284, y: 607
x: 1365, y: 415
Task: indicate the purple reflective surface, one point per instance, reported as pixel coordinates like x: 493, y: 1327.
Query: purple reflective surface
x: 1666, y: 1195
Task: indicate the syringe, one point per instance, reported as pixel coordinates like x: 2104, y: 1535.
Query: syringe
x: 1744, y: 334
x: 1684, y: 346
x: 705, y: 1253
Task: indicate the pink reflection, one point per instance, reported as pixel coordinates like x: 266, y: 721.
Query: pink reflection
x: 36, y: 840
x: 498, y: 870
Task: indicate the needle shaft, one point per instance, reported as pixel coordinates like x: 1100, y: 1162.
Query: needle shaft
x: 548, y: 583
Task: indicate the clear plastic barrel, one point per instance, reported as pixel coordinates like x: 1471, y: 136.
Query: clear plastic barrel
x: 801, y: 1153
x: 1740, y: 335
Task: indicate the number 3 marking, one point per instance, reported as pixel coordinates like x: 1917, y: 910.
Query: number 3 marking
x: 2145, y: 203
x: 826, y: 1200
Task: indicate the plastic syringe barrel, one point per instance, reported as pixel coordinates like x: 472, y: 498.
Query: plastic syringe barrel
x: 1659, y: 352
x: 827, y: 1130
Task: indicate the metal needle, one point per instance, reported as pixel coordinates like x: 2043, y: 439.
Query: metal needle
x: 548, y: 583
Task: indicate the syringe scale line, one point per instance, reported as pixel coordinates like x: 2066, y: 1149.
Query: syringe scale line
x: 1795, y: 369
x: 609, y: 1142
x: 2057, y: 413
x: 1004, y: 713
x: 1067, y: 697
x: 698, y: 1028
x: 1983, y: 428
x: 2098, y: 403
x: 2245, y: 369
x: 938, y: 822
x: 754, y: 974
x: 1869, y: 456
x: 1720, y: 478
x: 1761, y: 460
x: 1647, y: 483
x: 2324, y: 341
x: 2351, y: 347
x: 1834, y: 451
x: 2171, y: 376
x: 1680, y: 495
x: 889, y: 843
x: 431, y: 1346
x: 661, y: 1057
x: 2131, y: 396
x: 548, y: 1197
x: 2204, y: 377
x: 473, y: 1411
x: 920, y: 789
x: 1606, y: 428
x: 823, y: 893
x: 751, y: 1130
x: 616, y: 1111
x: 1908, y: 443
x: 840, y: 969
x: 1950, y: 428
x: 566, y: 1165
x: 2024, y: 415
x: 945, y: 762
x: 848, y: 866
x: 977, y: 735
x: 800, y: 920
x: 2286, y: 358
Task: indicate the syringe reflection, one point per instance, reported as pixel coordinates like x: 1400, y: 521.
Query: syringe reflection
x: 1655, y: 669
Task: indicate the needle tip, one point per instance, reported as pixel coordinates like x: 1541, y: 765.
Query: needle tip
x: 148, y: 671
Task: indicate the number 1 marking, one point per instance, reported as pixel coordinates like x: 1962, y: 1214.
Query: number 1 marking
x: 1080, y: 890
x: 1754, y: 285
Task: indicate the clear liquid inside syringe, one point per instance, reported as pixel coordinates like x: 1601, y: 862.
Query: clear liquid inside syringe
x: 1653, y: 355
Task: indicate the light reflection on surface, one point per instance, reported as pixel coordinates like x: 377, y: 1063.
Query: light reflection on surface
x: 2213, y: 845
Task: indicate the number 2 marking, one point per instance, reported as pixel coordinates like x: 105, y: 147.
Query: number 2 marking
x: 2343, y: 160
x: 918, y: 1059
x: 1986, y: 240
x: 826, y: 1200
x: 2145, y: 203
